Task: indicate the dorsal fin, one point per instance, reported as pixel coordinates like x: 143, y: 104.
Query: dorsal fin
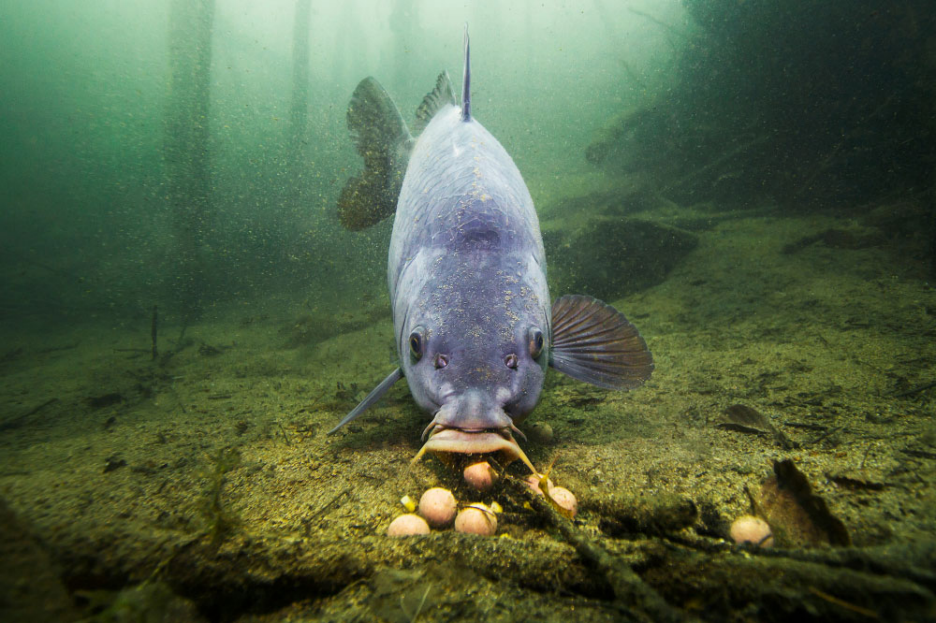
x: 466, y: 82
x: 442, y: 94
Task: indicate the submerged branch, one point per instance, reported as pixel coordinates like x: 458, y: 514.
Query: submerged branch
x: 727, y: 155
x: 628, y: 587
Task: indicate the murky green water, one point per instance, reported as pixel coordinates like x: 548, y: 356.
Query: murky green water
x: 183, y: 316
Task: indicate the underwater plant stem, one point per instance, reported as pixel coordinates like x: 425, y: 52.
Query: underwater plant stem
x: 153, y: 330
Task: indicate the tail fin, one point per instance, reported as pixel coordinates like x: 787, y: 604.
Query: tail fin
x: 383, y: 140
x: 466, y: 81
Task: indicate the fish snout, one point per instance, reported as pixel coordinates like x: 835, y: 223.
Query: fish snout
x: 473, y: 423
x: 473, y: 410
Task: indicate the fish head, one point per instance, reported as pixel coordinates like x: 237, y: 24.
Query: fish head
x: 476, y: 354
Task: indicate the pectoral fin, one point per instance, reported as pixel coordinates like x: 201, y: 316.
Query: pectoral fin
x: 593, y: 342
x: 375, y: 395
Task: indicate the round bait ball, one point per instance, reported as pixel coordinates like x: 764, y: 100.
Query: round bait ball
x: 476, y: 519
x: 750, y: 529
x: 533, y: 482
x: 540, y: 432
x: 408, y: 525
x: 437, y: 506
x: 564, y: 498
x: 481, y: 476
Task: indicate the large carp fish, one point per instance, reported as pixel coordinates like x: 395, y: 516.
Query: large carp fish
x: 472, y: 318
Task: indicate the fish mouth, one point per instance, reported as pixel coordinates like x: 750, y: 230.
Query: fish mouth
x: 444, y: 440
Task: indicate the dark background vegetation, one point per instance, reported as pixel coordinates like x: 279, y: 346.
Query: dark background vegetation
x: 810, y: 104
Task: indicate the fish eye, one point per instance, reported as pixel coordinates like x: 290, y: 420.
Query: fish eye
x: 536, y: 342
x: 416, y: 343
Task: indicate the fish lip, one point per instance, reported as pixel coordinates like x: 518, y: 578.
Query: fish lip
x: 467, y: 441
x: 449, y: 440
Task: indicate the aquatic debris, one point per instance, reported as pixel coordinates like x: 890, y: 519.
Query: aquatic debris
x: 835, y: 239
x: 405, y: 596
x: 105, y: 400
x: 630, y: 590
x: 408, y: 525
x: 855, y: 481
x: 347, y: 392
x: 915, y: 390
x: 799, y: 517
x: 311, y: 520
x: 408, y: 503
x: 221, y: 519
x: 866, y: 612
x: 657, y: 515
x: 306, y: 330
x: 207, y: 350
x: 152, y: 600
x: 17, y: 421
x: 422, y: 602
x: 744, y: 419
x: 113, y: 462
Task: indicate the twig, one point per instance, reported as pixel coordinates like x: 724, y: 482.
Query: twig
x: 317, y: 400
x: 871, y: 614
x: 629, y: 588
x: 727, y: 155
x: 908, y: 562
x: 825, y: 435
x: 865, y: 456
x: 327, y: 505
x: 419, y: 608
x: 671, y: 33
x: 826, y: 162
x: 283, y: 432
x: 18, y: 420
x: 55, y: 349
x: 915, y: 390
